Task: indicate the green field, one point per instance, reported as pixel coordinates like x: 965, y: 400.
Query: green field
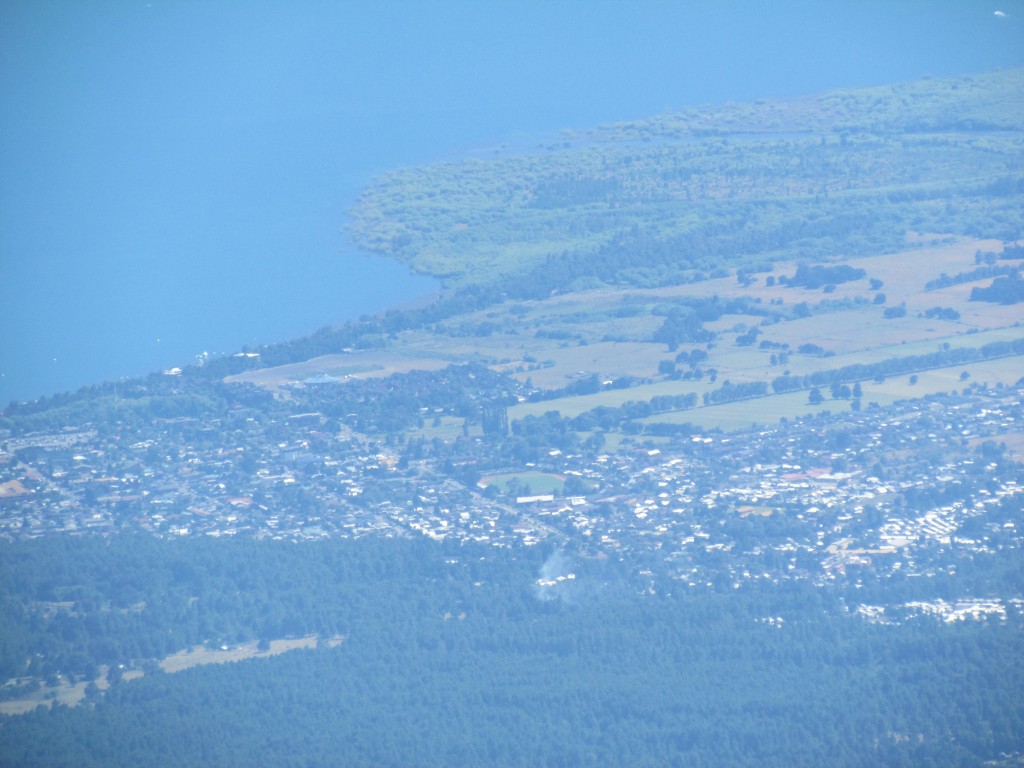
x: 569, y: 407
x: 551, y: 343
x: 538, y: 482
x: 771, y: 409
x: 446, y: 428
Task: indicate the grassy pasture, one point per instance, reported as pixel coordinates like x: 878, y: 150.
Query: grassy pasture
x: 73, y: 695
x: 447, y: 428
x: 744, y: 363
x: 494, y: 349
x: 906, y: 273
x: 590, y: 315
x: 905, y: 276
x: 772, y: 408
x: 854, y: 330
x: 741, y: 364
x: 1005, y: 370
x: 743, y: 414
x: 877, y: 344
x: 569, y: 407
x: 539, y: 482
x: 636, y: 328
x: 70, y: 695
x: 861, y: 329
x: 608, y: 359
x: 857, y: 334
x: 974, y: 315
x: 354, y: 365
x: 194, y: 657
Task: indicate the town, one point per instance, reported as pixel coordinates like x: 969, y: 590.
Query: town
x: 819, y: 499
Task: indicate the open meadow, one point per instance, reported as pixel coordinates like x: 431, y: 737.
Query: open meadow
x: 71, y: 694
x: 526, y: 482
x: 763, y: 411
x: 911, y: 303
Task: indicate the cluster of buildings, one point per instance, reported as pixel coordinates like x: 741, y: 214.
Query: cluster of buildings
x: 968, y: 609
x: 906, y: 490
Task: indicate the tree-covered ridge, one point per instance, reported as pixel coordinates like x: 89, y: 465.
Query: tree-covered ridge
x: 847, y: 172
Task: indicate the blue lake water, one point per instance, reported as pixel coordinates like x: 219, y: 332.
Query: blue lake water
x: 174, y: 175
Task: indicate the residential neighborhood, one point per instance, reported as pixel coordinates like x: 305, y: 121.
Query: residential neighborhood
x: 817, y: 499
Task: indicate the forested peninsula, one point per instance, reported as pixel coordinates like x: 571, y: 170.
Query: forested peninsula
x: 686, y: 195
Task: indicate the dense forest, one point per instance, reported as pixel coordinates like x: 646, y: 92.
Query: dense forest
x: 452, y: 658
x: 683, y: 196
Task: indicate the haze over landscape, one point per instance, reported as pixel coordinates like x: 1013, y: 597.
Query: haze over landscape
x: 176, y: 175
x: 512, y: 384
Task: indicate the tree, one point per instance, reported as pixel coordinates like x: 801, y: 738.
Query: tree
x: 840, y: 391
x: 815, y: 397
